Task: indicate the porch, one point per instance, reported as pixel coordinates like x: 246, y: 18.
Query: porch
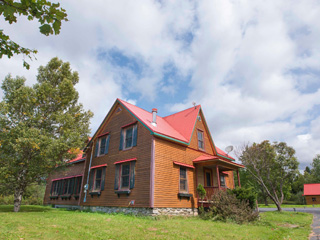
x: 215, y: 174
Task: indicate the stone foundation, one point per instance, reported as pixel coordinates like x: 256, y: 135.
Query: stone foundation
x: 137, y: 211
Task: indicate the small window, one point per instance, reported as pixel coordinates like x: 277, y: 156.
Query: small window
x: 102, y: 146
x: 128, y: 138
x: 125, y: 176
x: 222, y: 181
x: 314, y: 199
x: 67, y: 186
x: 77, y: 185
x: 200, y: 140
x: 55, y: 190
x: 183, y: 180
x: 97, y: 176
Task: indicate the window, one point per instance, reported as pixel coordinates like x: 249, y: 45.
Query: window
x: 102, y: 146
x: 55, y: 188
x: 314, y: 199
x: 200, y: 140
x: 125, y: 175
x: 128, y: 138
x: 97, y: 178
x: 222, y: 181
x: 67, y: 186
x: 183, y: 180
x: 77, y: 185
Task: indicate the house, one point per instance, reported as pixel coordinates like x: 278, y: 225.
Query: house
x: 311, y: 192
x: 139, y: 162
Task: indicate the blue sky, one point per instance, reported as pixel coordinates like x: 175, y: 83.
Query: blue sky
x: 252, y: 65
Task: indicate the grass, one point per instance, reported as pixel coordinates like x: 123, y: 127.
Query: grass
x: 37, y: 222
x: 288, y: 206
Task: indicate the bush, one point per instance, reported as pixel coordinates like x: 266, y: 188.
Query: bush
x: 246, y: 195
x: 226, y: 206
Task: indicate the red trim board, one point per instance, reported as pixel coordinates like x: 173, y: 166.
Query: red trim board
x: 67, y: 177
x: 183, y: 164
x: 102, y: 165
x: 129, y: 124
x: 127, y: 160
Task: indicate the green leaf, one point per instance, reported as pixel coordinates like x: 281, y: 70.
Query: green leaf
x: 46, y: 29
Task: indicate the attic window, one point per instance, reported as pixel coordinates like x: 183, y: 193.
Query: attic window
x: 118, y: 110
x: 199, y: 118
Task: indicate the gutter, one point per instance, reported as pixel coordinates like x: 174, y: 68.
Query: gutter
x: 86, y: 190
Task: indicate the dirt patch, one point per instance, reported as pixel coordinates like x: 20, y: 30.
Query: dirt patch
x: 288, y: 225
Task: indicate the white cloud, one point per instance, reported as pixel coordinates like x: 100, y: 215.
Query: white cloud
x: 254, y: 64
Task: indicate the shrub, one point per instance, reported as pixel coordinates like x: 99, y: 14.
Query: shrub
x: 226, y: 206
x: 247, y: 195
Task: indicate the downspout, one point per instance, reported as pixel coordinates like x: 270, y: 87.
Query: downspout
x: 152, y: 170
x: 85, y: 194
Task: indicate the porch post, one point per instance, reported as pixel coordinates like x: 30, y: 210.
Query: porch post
x: 218, y: 176
x: 238, y: 178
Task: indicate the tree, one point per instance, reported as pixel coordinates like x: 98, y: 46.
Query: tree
x: 40, y: 126
x: 273, y: 166
x: 315, y: 171
x: 49, y: 15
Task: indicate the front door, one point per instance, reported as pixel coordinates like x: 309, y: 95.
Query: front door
x: 208, y: 178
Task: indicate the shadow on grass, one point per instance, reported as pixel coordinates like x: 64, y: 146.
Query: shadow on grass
x: 26, y: 208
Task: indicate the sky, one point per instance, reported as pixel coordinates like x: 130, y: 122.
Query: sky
x: 254, y: 66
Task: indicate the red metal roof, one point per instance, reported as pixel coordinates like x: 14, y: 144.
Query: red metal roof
x: 78, y: 158
x: 219, y: 151
x: 178, y: 126
x: 311, y: 189
x: 163, y: 127
x: 184, y: 121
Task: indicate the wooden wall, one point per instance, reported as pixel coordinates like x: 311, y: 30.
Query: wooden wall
x: 70, y: 170
x: 309, y: 199
x: 141, y: 192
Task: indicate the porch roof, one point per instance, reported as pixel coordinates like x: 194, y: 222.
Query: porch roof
x: 210, y: 158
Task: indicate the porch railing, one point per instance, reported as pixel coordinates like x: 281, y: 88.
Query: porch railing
x: 211, y: 191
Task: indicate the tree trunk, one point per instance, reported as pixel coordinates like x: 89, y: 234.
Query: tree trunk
x: 278, y: 206
x: 265, y: 198
x: 17, y: 199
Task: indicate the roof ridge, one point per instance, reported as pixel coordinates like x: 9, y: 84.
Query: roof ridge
x: 181, y: 111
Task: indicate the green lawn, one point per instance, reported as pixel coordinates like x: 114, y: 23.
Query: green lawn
x: 37, y: 222
x: 288, y: 206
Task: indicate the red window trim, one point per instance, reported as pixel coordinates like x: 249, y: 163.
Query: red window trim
x: 129, y: 124
x: 102, y: 135
x: 98, y: 166
x: 67, y: 177
x: 183, y: 164
x: 127, y: 160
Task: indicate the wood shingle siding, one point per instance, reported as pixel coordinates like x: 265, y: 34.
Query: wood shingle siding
x: 142, y: 152
x: 63, y: 172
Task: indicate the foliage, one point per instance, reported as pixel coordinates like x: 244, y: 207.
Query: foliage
x: 34, y: 195
x: 315, y: 171
x: 36, y: 222
x: 226, y: 206
x: 246, y: 194
x: 40, y: 126
x: 201, y: 193
x: 273, y: 166
x: 48, y: 14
